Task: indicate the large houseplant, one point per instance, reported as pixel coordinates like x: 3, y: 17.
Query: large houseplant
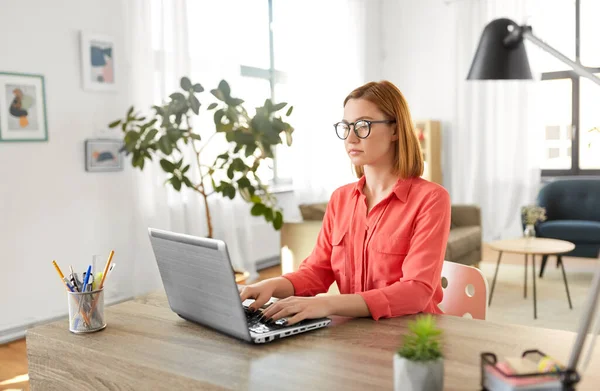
x: 418, y: 364
x: 166, y: 134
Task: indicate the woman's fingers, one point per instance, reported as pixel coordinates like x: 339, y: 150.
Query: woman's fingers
x: 247, y: 293
x: 276, y: 307
x: 285, y: 312
x: 260, y: 300
x: 300, y: 316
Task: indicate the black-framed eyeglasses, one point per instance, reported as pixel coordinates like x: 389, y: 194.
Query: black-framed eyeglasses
x: 362, y: 128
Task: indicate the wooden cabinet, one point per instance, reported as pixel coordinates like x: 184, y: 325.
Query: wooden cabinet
x: 430, y: 139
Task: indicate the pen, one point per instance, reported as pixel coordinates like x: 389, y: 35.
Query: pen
x: 87, y: 278
x: 63, y: 279
x: 74, y: 279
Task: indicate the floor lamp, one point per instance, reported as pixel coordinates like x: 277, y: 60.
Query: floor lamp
x: 501, y: 55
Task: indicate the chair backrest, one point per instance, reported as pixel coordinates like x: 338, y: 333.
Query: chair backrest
x: 465, y: 291
x: 571, y: 199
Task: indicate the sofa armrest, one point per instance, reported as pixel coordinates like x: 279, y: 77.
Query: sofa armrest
x: 465, y: 215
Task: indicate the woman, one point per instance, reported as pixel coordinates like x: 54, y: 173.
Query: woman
x: 383, y: 238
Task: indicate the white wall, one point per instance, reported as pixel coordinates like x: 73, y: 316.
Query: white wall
x: 50, y: 208
x: 418, y: 42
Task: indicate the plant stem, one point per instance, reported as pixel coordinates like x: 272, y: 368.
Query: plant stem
x: 207, y: 141
x: 200, y: 189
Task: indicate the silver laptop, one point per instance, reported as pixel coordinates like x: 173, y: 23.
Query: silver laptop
x: 200, y: 285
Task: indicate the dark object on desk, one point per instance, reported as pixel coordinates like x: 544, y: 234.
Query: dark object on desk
x: 494, y: 377
x: 573, y: 214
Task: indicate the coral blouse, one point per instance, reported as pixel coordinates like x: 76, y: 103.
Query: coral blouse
x: 391, y: 256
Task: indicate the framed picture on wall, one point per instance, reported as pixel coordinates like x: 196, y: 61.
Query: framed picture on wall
x: 103, y: 155
x: 97, y: 62
x: 22, y: 107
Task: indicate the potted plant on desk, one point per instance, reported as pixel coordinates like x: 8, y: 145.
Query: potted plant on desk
x: 418, y: 364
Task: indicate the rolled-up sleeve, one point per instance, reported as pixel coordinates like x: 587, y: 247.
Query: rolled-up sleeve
x: 315, y: 274
x: 422, y: 267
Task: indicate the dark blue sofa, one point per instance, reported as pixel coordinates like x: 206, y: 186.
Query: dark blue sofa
x: 573, y: 214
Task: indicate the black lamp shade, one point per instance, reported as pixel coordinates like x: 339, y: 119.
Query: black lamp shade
x: 496, y: 60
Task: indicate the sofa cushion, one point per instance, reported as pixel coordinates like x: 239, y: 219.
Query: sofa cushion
x: 311, y: 212
x: 576, y: 231
x: 463, y: 240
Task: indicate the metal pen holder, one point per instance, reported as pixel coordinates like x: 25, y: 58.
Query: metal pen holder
x: 86, y: 311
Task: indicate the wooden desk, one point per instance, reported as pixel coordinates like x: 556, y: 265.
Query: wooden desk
x: 146, y: 346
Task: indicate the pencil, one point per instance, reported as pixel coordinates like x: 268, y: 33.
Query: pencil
x: 62, y: 278
x: 110, y: 257
x: 61, y: 275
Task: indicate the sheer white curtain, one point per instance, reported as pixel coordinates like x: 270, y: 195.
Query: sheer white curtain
x: 160, y: 56
x: 328, y: 47
x: 495, y: 150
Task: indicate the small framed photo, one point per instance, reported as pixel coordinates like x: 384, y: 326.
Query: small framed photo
x: 97, y: 62
x: 103, y: 155
x: 22, y: 107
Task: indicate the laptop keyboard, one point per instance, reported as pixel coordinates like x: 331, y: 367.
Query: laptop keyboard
x: 258, y: 326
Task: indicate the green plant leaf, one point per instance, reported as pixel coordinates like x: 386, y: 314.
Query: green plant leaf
x: 423, y: 342
x: 185, y: 169
x: 230, y: 172
x: 279, y: 106
x: 159, y: 110
x: 114, y: 124
x: 173, y: 135
x: 165, y: 145
x: 224, y: 87
x: 151, y: 134
x: 212, y: 106
x: 224, y: 156
x: 278, y: 220
x: 289, y: 111
x: 245, y: 193
x: 177, y: 96
x: 268, y: 214
x: 195, y: 136
x: 250, y: 149
x: 235, y: 101
x: 195, y: 104
x: 186, y: 84
x: 244, y: 182
x: 257, y: 209
x: 218, y: 117
x: 218, y: 94
x: 198, y: 88
x: 130, y: 111
x: 167, y: 165
x: 229, y: 191
x: 187, y: 182
x: 256, y: 199
x: 176, y: 182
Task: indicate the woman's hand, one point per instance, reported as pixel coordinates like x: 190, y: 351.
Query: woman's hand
x: 297, y: 309
x: 263, y: 291
x: 260, y: 292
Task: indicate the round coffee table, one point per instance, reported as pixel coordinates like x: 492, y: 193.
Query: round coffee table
x: 533, y: 247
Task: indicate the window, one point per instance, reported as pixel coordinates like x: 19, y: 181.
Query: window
x: 259, y: 73
x: 571, y: 116
x: 235, y: 46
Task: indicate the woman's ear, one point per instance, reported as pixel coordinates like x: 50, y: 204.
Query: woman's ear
x: 395, y: 133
